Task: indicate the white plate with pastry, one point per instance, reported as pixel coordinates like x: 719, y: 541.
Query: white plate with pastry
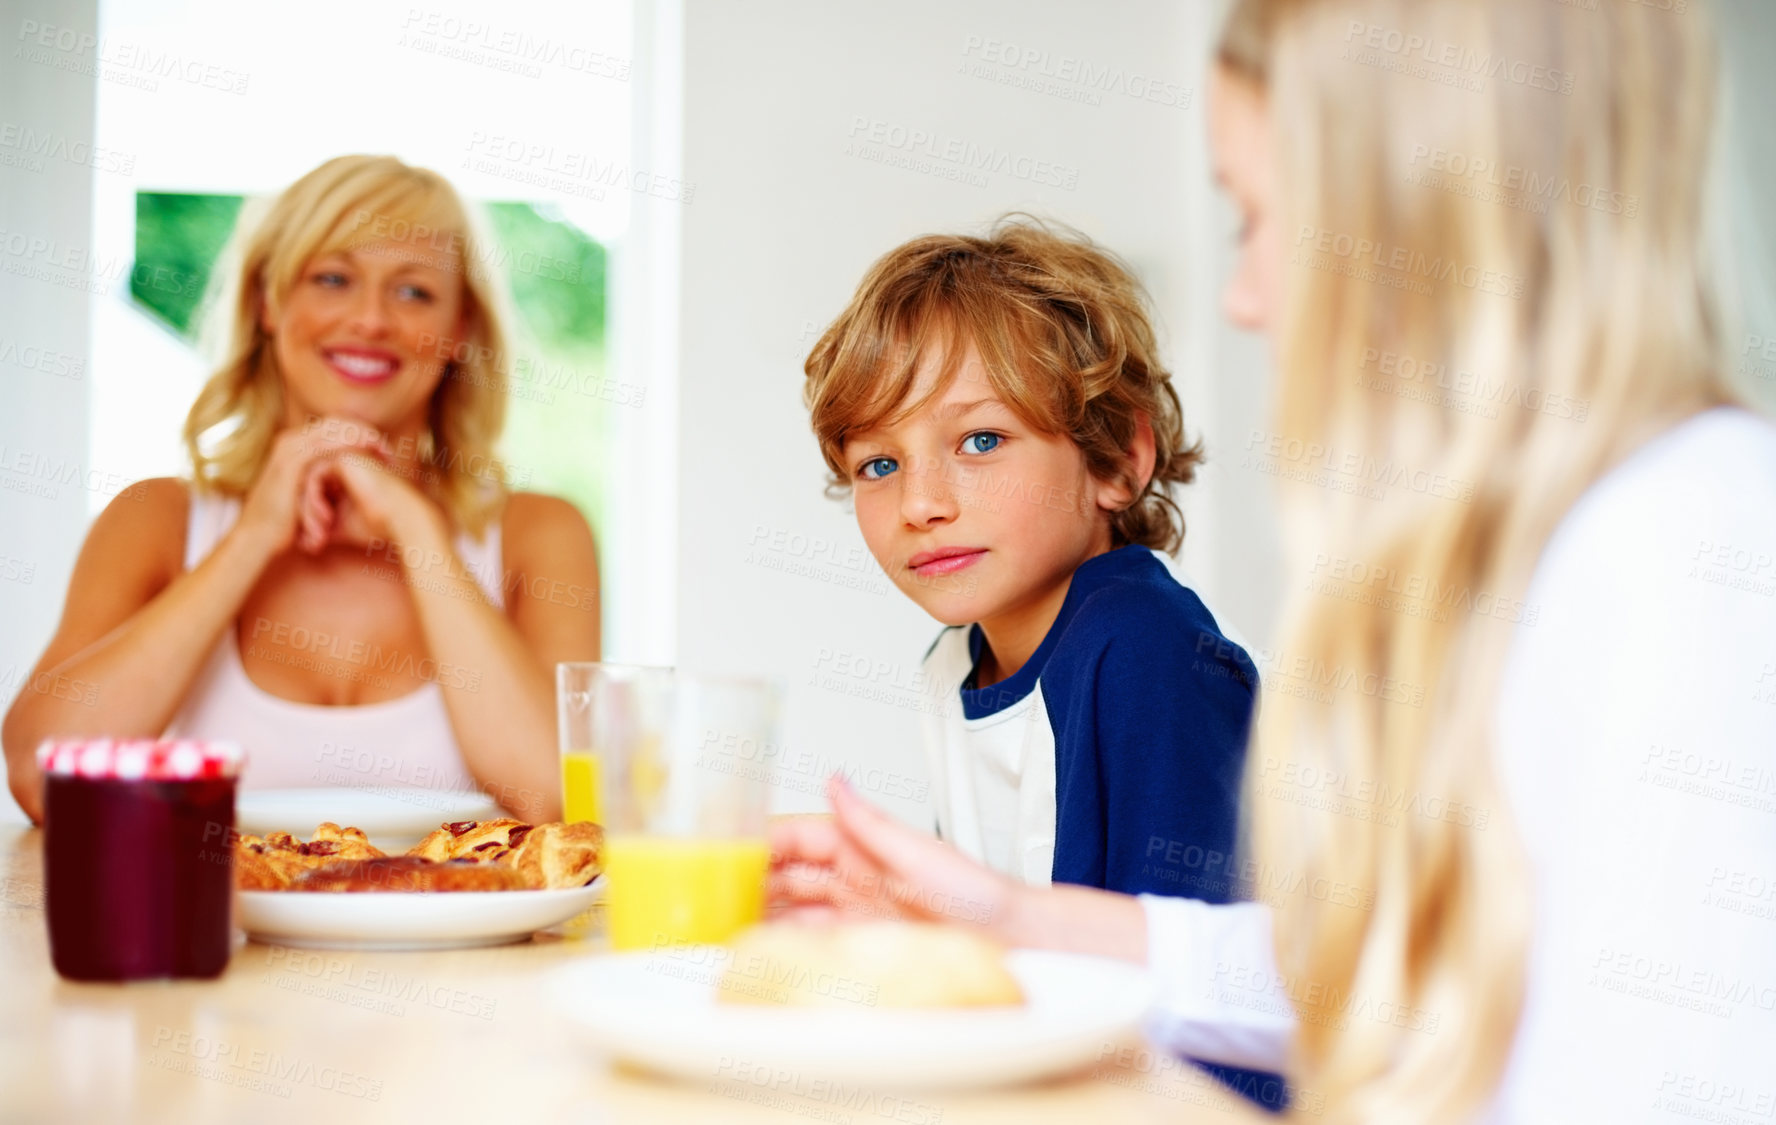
x: 881, y: 1005
x: 467, y: 883
x: 436, y: 920
x: 391, y: 816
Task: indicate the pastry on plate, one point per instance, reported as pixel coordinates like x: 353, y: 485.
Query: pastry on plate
x: 527, y: 857
x: 547, y: 856
x: 260, y: 866
x: 271, y: 863
x: 340, y: 843
x: 480, y: 840
x: 868, y: 964
x: 558, y: 855
x: 407, y: 874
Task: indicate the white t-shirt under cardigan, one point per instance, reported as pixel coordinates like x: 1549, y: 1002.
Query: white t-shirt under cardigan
x: 1637, y: 749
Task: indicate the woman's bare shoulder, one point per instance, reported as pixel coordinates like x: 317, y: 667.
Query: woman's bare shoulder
x: 158, y: 503
x: 552, y: 584
x: 530, y: 517
x: 151, y: 514
x: 547, y: 546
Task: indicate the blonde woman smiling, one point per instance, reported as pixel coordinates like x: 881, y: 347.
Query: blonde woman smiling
x: 345, y: 586
x: 1560, y: 921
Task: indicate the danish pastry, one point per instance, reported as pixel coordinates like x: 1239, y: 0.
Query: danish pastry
x: 273, y: 862
x: 480, y: 840
x: 547, y: 856
x: 526, y: 857
x: 408, y: 874
x: 258, y: 867
x: 557, y: 855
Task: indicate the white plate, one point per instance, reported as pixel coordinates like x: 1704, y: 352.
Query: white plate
x: 390, y: 816
x: 398, y: 920
x: 659, y: 1011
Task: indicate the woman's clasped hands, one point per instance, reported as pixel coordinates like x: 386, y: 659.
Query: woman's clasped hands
x: 334, y: 482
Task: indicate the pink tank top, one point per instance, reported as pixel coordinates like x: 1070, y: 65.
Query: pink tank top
x: 401, y: 742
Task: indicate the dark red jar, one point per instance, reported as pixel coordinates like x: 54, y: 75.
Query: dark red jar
x: 138, y: 864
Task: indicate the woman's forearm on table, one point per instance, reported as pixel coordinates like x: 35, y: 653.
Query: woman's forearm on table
x: 500, y: 697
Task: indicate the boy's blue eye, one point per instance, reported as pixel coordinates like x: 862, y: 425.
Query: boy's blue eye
x: 981, y: 443
x: 876, y: 468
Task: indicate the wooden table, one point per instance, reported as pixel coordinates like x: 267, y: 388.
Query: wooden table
x: 450, y: 1038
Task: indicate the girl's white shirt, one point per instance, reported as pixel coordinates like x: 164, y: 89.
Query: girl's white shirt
x: 1636, y: 743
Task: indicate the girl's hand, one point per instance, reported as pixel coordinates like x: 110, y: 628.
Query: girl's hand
x: 354, y: 497
x: 272, y: 510
x: 861, y: 862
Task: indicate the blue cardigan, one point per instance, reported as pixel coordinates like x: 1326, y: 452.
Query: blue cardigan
x: 1149, y: 705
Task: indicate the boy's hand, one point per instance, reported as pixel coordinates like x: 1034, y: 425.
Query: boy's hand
x: 859, y: 862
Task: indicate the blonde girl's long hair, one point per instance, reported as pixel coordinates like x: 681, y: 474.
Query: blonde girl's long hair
x: 229, y: 430
x: 1495, y: 291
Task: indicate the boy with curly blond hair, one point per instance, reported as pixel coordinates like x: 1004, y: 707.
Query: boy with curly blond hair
x: 998, y: 410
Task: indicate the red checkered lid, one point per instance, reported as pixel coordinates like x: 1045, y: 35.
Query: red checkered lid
x: 133, y: 759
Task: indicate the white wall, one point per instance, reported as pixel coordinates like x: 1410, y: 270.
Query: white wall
x: 45, y: 215
x: 640, y: 537
x: 1748, y: 222
x: 780, y: 96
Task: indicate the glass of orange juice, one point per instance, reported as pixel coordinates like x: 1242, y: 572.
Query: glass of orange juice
x: 580, y: 767
x: 682, y: 763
